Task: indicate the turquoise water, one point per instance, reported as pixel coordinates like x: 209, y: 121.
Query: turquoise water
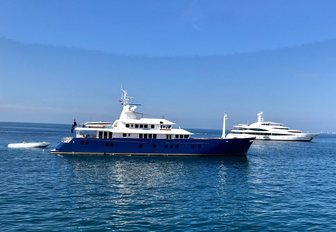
x: 279, y: 186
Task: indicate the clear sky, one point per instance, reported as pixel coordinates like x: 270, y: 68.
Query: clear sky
x: 190, y: 60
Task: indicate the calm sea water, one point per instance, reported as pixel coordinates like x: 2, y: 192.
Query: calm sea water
x: 279, y: 186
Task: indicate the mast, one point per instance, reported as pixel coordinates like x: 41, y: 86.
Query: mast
x: 224, y: 122
x: 260, y: 117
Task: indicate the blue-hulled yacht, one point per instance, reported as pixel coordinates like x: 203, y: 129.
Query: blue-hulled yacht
x: 132, y: 134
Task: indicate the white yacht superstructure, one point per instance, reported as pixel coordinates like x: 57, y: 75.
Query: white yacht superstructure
x: 131, y: 124
x: 269, y: 131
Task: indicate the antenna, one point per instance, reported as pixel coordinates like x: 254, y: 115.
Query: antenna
x: 124, y: 97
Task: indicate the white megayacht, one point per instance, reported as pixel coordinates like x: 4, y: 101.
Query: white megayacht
x: 269, y: 131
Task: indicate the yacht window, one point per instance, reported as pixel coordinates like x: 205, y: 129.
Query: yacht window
x: 136, y: 125
x: 100, y: 134
x: 145, y: 136
x: 132, y: 125
x: 110, y: 135
x: 141, y: 126
x: 186, y: 136
x: 150, y: 136
x: 124, y: 135
x: 152, y: 126
x: 145, y: 126
x: 140, y: 136
x: 154, y: 136
x: 127, y: 125
x: 176, y: 136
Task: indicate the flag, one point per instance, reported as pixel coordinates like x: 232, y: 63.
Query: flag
x: 74, y: 124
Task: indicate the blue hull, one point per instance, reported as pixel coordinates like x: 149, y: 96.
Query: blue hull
x: 155, y: 147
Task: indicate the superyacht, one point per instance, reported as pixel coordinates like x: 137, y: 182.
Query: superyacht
x: 263, y: 130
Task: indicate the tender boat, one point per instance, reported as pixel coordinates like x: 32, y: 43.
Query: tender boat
x: 269, y: 131
x: 29, y: 145
x: 132, y: 134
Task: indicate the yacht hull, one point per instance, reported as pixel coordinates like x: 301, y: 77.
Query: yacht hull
x: 306, y: 137
x: 154, y: 147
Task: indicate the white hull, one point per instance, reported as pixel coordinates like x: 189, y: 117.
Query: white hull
x: 29, y: 145
x: 305, y: 137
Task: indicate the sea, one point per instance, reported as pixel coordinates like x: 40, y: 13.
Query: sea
x: 278, y: 186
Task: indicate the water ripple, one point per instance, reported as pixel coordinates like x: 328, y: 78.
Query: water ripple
x: 277, y: 187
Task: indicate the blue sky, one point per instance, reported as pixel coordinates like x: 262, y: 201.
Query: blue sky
x: 175, y: 27
x: 187, y: 60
